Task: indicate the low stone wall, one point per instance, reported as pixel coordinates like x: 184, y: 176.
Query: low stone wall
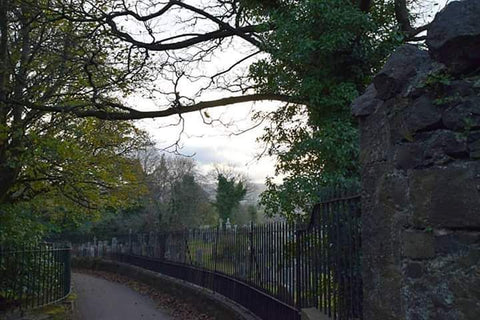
x: 205, y: 300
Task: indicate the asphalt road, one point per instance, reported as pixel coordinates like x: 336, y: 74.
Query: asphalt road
x: 99, y: 299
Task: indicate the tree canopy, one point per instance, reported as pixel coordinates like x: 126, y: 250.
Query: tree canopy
x: 67, y: 68
x: 229, y: 194
x: 324, y: 53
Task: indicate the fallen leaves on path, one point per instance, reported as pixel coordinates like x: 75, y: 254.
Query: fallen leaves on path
x: 175, y: 307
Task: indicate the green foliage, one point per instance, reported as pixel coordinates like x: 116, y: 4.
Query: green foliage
x: 252, y: 213
x: 229, y: 195
x: 78, y: 170
x: 174, y: 199
x: 188, y: 204
x: 244, y: 214
x: 324, y: 53
x: 59, y: 169
x: 83, y: 160
x: 437, y: 80
x: 19, y: 226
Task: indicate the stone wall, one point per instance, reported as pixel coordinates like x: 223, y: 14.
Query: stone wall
x: 420, y: 156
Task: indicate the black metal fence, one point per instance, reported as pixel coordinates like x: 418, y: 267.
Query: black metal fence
x: 273, y: 269
x: 33, y: 276
x: 331, y: 256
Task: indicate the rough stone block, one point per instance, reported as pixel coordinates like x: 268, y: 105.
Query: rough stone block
x: 393, y: 192
x: 446, y: 196
x: 455, y: 90
x: 470, y: 259
x: 418, y: 245
x: 405, y: 64
x: 474, y: 154
x: 463, y: 116
x: 385, y: 281
x: 375, y: 138
x: 470, y: 308
x: 441, y: 146
x: 454, y: 36
x: 408, y: 155
x: 367, y: 103
x: 414, y: 270
x: 422, y: 115
x: 474, y: 145
x: 455, y: 243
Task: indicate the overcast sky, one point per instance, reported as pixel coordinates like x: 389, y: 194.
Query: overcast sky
x: 219, y: 144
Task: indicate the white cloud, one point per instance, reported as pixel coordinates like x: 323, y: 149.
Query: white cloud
x: 216, y: 143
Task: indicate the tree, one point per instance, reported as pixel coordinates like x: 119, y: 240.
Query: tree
x: 48, y: 60
x: 229, y: 194
x: 187, y: 198
x: 323, y: 52
x: 175, y: 197
x: 131, y: 29
x: 85, y: 57
x: 72, y: 171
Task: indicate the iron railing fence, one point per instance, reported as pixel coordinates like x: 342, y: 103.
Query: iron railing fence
x: 33, y: 276
x: 292, y: 266
x: 333, y: 241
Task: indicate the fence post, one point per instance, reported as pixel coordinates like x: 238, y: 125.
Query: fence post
x: 250, y: 265
x: 216, y: 249
x: 114, y: 249
x: 130, y: 240
x: 185, y: 245
x: 68, y: 276
x: 297, y: 280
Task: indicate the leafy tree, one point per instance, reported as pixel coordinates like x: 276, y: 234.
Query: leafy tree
x: 57, y: 162
x: 84, y: 58
x: 184, y: 202
x: 324, y: 53
x: 244, y: 214
x: 229, y: 194
x: 174, y: 199
x: 252, y: 213
x: 73, y: 172
x: 20, y: 226
x: 187, y: 198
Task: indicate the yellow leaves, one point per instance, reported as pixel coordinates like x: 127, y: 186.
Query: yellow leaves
x: 3, y: 133
x: 83, y: 164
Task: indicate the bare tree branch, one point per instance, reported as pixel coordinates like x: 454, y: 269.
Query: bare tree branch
x: 161, y: 46
x: 102, y: 111
x: 402, y: 15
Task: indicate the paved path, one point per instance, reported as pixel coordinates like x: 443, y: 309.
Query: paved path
x: 99, y: 299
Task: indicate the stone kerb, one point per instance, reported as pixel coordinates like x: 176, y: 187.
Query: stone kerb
x: 420, y: 151
x: 205, y: 300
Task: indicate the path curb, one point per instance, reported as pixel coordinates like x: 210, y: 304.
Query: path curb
x: 205, y: 300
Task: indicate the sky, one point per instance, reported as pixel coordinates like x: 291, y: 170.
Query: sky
x: 220, y: 143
